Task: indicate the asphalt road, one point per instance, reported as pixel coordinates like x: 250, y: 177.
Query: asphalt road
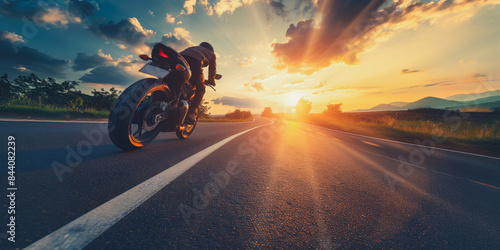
x: 281, y: 185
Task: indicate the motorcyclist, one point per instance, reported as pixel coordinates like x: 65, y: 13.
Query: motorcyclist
x: 198, y: 57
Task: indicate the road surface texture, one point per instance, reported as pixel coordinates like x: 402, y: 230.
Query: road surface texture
x: 281, y: 185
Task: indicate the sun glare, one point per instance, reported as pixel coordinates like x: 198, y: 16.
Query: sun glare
x: 293, y: 98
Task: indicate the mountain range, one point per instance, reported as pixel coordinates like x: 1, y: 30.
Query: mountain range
x: 489, y: 99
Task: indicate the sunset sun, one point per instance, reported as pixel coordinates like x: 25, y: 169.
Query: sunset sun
x: 292, y: 99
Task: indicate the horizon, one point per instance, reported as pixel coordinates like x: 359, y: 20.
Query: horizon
x: 361, y: 54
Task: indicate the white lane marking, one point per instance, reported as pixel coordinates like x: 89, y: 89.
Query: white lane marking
x: 371, y: 143
x: 406, y: 143
x: 432, y: 170
x: 83, y: 230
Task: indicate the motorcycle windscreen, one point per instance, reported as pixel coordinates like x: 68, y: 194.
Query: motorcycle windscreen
x: 155, y: 71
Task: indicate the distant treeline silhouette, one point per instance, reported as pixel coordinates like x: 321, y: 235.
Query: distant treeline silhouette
x: 34, y: 91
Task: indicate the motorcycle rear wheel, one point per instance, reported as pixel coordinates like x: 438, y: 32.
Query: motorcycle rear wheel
x: 132, y: 122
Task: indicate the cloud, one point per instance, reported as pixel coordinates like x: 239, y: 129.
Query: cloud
x: 169, y: 18
x: 12, y: 37
x: 297, y: 81
x: 277, y: 7
x: 254, y: 85
x: 120, y: 71
x: 320, y: 85
x: 479, y: 75
x: 44, y: 13
x: 81, y: 9
x: 188, y: 7
x: 229, y: 6
x: 128, y: 31
x: 22, y: 69
x: 14, y: 57
x: 208, y: 8
x: 237, y: 102
x: 348, y: 28
x: 436, y: 84
x: 107, y: 70
x: 407, y: 71
x: 107, y: 75
x: 245, y: 61
x: 84, y: 61
x: 59, y: 18
x: 178, y: 40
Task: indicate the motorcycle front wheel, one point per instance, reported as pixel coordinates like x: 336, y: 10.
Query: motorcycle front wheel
x: 133, y: 122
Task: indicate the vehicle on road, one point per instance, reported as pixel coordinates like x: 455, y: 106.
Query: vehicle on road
x: 154, y: 105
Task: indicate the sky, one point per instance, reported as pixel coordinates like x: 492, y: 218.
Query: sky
x: 271, y: 53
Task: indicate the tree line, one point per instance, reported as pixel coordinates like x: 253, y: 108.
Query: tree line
x: 304, y: 106
x: 32, y: 90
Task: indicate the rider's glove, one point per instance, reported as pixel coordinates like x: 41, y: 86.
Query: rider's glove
x: 211, y: 82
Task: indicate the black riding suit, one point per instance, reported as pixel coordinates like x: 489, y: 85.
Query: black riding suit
x: 198, y: 57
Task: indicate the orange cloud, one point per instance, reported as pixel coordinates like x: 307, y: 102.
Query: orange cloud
x: 348, y: 28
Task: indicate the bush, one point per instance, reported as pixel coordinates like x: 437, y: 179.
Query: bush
x: 238, y: 115
x: 303, y: 107
x: 268, y: 112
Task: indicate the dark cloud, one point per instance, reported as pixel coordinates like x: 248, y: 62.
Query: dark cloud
x: 310, y: 47
x: 407, y: 71
x: 14, y: 56
x: 238, y: 102
x: 278, y: 8
x: 177, y: 42
x: 479, y: 75
x: 21, y: 8
x: 84, y: 61
x: 81, y: 9
x: 436, y: 83
x: 348, y: 28
x: 128, y: 31
x: 108, y: 75
x: 34, y: 9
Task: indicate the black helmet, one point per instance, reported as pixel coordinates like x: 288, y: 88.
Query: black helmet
x: 207, y: 45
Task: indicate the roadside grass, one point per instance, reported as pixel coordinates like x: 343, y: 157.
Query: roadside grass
x: 41, y: 111
x: 480, y: 134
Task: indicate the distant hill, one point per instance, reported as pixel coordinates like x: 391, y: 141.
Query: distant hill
x: 432, y: 102
x: 385, y: 107
x: 491, y: 102
x: 473, y: 96
x: 485, y: 100
x: 398, y: 104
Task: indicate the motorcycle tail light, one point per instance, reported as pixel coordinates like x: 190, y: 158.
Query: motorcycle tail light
x: 180, y: 67
x: 162, y: 54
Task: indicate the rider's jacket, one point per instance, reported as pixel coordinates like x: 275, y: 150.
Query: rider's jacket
x: 205, y: 57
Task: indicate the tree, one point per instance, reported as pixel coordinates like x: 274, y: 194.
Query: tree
x: 268, y: 112
x: 238, y: 115
x: 303, y: 107
x: 5, y: 88
x: 203, y: 109
x: 333, y: 109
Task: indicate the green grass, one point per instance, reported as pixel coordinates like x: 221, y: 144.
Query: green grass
x: 40, y: 111
x: 472, y: 135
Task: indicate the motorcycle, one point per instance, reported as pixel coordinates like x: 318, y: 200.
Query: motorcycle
x: 154, y: 105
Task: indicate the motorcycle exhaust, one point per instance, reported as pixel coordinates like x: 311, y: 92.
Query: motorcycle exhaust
x: 182, y: 108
